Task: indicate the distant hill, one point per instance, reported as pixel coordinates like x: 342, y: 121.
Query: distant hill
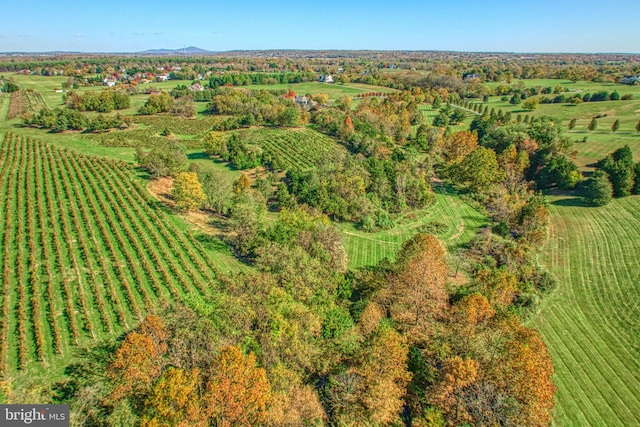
x: 191, y: 50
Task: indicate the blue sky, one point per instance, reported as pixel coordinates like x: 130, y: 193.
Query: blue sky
x: 463, y: 25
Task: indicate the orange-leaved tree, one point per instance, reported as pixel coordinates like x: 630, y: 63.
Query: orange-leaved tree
x: 419, y: 294
x: 238, y: 392
x: 138, y: 361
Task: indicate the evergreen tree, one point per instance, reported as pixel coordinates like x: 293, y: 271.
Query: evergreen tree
x: 636, y: 183
x: 621, y: 177
x: 592, y: 125
x: 572, y: 124
x: 598, y: 190
x: 615, y: 126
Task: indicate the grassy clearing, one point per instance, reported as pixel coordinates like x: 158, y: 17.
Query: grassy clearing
x: 592, y: 322
x: 456, y: 221
x: 430, y: 113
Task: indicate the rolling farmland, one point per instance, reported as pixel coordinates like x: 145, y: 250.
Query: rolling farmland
x: 592, y: 322
x: 85, y: 253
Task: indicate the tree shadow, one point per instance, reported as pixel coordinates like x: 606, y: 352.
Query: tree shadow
x: 570, y: 202
x: 198, y: 155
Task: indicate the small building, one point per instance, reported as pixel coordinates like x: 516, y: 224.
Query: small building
x: 109, y: 81
x: 470, y: 77
x: 196, y: 87
x: 302, y: 100
x: 326, y: 78
x: 162, y: 77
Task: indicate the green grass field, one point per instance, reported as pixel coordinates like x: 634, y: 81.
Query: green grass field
x: 429, y: 114
x: 592, y: 322
x: 461, y: 222
x: 601, y: 141
x: 334, y: 90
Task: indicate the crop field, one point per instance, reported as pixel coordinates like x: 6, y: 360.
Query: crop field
x: 85, y: 252
x: 450, y: 218
x: 299, y: 148
x: 148, y: 129
x: 591, y: 323
x: 24, y: 101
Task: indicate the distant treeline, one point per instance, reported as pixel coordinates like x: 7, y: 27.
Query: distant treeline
x: 244, y: 79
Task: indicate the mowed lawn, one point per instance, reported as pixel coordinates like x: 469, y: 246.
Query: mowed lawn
x: 591, y: 323
x: 456, y: 221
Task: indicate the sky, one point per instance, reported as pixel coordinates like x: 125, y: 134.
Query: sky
x: 483, y: 25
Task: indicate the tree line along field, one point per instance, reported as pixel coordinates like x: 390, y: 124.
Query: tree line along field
x: 85, y: 252
x: 592, y: 322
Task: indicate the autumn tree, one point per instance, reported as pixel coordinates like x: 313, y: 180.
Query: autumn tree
x: 321, y: 98
x: 499, y: 286
x: 241, y: 184
x: 187, y: 191
x: 371, y: 390
x: 419, y: 293
x: 237, y: 392
x: 533, y: 221
x: 513, y: 163
x: 294, y: 403
x: 384, y: 376
x: 456, y: 375
x: 175, y: 400
x: 215, y: 142
x: 344, y: 103
x: 138, y: 361
x: 458, y: 145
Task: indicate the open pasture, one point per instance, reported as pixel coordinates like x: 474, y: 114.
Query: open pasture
x: 591, y: 323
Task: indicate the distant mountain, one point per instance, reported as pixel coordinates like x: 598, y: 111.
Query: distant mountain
x: 191, y: 50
